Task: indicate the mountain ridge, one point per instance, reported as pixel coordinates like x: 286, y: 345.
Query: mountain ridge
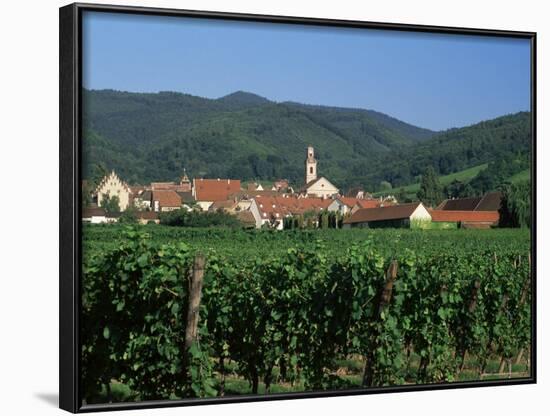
x: 153, y: 136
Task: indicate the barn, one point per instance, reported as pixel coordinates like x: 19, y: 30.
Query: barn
x: 413, y: 215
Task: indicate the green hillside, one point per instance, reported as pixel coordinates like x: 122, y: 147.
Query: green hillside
x: 454, y: 150
x: 522, y: 176
x: 153, y: 137
x: 463, y: 176
x: 240, y: 135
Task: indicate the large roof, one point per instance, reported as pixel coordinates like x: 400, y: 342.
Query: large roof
x: 167, y: 198
x: 460, y: 204
x: 392, y: 212
x: 464, y: 216
x: 491, y: 201
x: 215, y: 189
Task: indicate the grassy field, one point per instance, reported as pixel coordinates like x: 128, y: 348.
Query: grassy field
x: 521, y: 176
x: 463, y: 176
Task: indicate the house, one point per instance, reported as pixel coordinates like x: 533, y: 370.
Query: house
x: 464, y: 219
x: 112, y: 186
x: 164, y: 201
x: 94, y: 215
x: 413, y: 215
x: 207, y: 191
x: 318, y: 187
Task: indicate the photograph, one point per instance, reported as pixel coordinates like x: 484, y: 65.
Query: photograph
x: 271, y: 208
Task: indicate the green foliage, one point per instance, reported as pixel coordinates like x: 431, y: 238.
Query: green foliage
x: 129, y: 216
x: 498, y: 173
x: 516, y: 205
x: 430, y: 192
x: 185, y: 218
x: 110, y: 203
x: 293, y: 312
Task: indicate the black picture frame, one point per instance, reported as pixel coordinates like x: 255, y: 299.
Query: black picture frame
x: 70, y: 255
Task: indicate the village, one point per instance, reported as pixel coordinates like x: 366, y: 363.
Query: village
x: 318, y: 203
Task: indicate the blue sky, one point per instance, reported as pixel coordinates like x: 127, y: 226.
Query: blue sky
x: 429, y: 80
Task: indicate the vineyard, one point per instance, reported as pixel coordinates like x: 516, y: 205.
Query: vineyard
x: 295, y: 311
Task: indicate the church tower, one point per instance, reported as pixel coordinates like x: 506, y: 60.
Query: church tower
x: 185, y: 183
x: 311, y: 165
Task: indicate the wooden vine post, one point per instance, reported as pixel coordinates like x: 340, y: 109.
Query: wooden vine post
x: 194, y: 301
x: 385, y: 298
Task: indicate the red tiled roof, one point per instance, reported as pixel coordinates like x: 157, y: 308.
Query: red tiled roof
x: 215, y: 189
x: 271, y: 206
x: 167, y: 198
x: 392, y: 212
x: 368, y: 203
x: 464, y: 216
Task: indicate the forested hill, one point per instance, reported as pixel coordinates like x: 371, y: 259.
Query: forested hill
x: 503, y: 138
x: 149, y: 137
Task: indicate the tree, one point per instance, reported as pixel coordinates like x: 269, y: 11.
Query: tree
x: 515, y: 210
x: 129, y: 216
x: 402, y: 196
x: 430, y: 192
x: 385, y: 186
x: 110, y: 203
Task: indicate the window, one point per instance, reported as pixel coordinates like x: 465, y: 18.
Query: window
x: 311, y: 169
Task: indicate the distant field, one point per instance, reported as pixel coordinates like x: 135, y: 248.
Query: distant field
x: 463, y: 175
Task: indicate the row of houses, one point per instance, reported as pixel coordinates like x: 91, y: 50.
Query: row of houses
x: 480, y: 212
x: 257, y: 205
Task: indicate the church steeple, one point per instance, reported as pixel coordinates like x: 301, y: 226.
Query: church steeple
x: 184, y: 179
x: 311, y: 165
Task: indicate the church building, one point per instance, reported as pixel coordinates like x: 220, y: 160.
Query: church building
x: 317, y: 187
x: 111, y: 186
